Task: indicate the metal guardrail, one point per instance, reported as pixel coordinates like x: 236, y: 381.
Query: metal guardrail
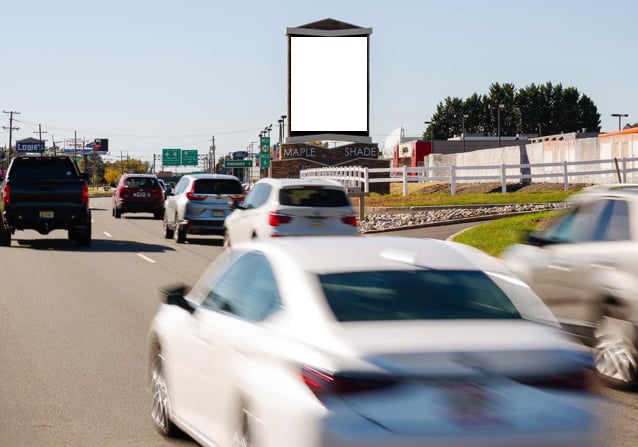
x: 357, y: 176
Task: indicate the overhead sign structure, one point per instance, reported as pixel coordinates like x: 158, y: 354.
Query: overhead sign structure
x: 171, y: 157
x: 189, y: 157
x: 29, y: 145
x: 238, y: 163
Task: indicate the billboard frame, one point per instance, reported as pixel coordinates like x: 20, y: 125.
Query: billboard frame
x: 327, y: 28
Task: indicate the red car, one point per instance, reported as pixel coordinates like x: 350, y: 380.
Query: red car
x: 138, y: 193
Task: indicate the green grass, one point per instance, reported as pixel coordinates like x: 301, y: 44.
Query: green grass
x: 493, y: 237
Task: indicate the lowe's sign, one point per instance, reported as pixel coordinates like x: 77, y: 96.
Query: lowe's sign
x: 29, y: 145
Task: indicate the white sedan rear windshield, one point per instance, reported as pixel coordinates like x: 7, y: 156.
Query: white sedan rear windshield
x: 415, y: 295
x: 313, y: 196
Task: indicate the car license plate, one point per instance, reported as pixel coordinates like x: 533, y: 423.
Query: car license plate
x: 316, y: 222
x: 218, y: 213
x: 140, y: 194
x: 46, y: 214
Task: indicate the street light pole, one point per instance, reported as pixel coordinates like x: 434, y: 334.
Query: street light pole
x: 431, y: 124
x: 465, y: 116
x: 500, y: 107
x: 620, y: 116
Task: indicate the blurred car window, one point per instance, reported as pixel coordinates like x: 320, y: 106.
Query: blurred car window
x: 415, y: 295
x: 319, y: 197
x: 252, y: 300
x: 615, y: 223
x: 580, y: 224
x: 217, y: 186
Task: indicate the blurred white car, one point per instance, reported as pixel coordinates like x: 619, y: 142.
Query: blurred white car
x: 370, y: 342
x: 292, y: 207
x: 585, y: 268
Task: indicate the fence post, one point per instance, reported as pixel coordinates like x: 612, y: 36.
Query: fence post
x: 366, y: 180
x: 624, y: 169
x: 405, y: 180
x: 452, y: 180
x: 566, y: 179
x: 503, y: 179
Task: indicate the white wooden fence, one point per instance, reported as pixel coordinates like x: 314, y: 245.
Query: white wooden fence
x: 592, y: 171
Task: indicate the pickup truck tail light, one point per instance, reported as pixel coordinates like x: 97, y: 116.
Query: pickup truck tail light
x: 6, y: 194
x: 85, y: 194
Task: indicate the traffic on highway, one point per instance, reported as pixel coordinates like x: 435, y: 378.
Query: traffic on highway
x: 367, y: 340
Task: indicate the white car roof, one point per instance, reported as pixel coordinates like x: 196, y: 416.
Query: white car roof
x: 327, y: 254
x: 212, y: 176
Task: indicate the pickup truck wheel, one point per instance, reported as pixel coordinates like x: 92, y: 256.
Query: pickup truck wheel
x: 616, y: 351
x: 168, y: 232
x: 82, y: 236
x: 5, y: 238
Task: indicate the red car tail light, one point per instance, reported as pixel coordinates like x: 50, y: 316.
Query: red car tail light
x: 350, y: 220
x: 323, y: 383
x: 157, y: 194
x: 85, y: 194
x: 6, y: 194
x: 275, y: 219
x: 191, y: 195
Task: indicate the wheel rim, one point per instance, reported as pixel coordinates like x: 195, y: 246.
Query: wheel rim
x: 615, y: 353
x: 160, y: 405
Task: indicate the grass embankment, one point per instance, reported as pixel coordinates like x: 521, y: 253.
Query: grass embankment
x: 495, y: 236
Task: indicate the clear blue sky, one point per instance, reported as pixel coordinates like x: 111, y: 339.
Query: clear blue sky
x: 159, y: 74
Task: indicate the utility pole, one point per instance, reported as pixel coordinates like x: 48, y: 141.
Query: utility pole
x: 213, y: 167
x: 75, y: 145
x: 11, y: 128
x: 40, y: 132
x: 54, y: 144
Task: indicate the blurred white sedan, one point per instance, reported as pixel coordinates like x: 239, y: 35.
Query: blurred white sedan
x: 356, y: 341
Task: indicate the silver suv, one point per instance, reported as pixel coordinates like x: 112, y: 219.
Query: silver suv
x: 585, y: 268
x: 199, y: 204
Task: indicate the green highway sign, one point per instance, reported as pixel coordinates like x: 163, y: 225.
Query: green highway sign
x: 265, y: 162
x: 189, y: 157
x: 264, y: 146
x: 171, y: 157
x: 238, y: 163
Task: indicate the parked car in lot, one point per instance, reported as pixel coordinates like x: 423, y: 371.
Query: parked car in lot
x: 585, y: 268
x: 199, y: 204
x: 361, y: 341
x: 138, y: 193
x: 292, y: 207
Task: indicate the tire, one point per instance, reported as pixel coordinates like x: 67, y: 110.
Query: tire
x: 243, y: 436
x: 5, y: 237
x: 616, y: 350
x: 117, y: 213
x: 168, y: 232
x: 227, y: 243
x: 83, y: 236
x: 180, y: 234
x: 158, y: 215
x: 160, y: 403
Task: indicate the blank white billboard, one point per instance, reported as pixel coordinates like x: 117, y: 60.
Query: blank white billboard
x: 328, y: 85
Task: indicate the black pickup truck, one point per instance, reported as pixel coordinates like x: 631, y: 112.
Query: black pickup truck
x: 45, y: 193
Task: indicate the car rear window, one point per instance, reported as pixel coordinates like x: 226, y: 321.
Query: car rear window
x: 313, y: 196
x: 45, y: 169
x: 141, y: 182
x: 415, y: 295
x: 218, y: 186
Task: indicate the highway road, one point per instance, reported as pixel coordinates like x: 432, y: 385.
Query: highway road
x: 73, y: 332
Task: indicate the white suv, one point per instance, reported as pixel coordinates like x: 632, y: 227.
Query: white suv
x: 292, y: 207
x: 585, y: 268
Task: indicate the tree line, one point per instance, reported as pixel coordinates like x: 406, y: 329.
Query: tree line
x: 546, y: 109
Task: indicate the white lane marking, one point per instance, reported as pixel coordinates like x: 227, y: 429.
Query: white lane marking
x: 146, y: 258
x: 107, y: 234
